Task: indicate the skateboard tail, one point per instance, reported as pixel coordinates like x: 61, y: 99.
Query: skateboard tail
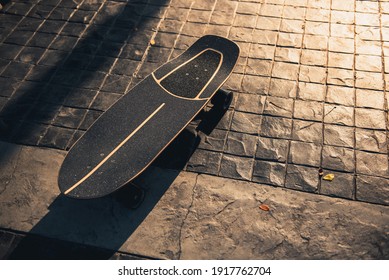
x: 113, y: 151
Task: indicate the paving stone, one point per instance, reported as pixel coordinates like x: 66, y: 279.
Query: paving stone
x: 368, y: 47
x: 338, y: 158
x: 277, y: 106
x: 367, y: 19
x: 340, y: 60
x: 372, y: 189
x: 19, y: 37
x: 287, y: 54
x: 203, y: 161
x: 342, y: 45
x: 116, y: 83
x: 314, y: 57
x: 337, y: 135
x: 312, y: 74
x: 104, y: 100
x: 272, y: 149
x: 311, y: 91
x: 369, y: 80
x: 340, y: 95
x: 340, y: 77
x: 247, y: 8
x: 221, y: 17
x: 28, y: 133
x: 69, y: 117
x: 292, y: 26
x: 347, y: 5
x: 304, y: 153
x: 343, y: 17
x: 245, y: 122
x: 341, y: 186
x: 268, y: 23
x: 214, y: 141
x: 236, y: 167
x: 8, y: 51
x: 250, y: 103
x: 315, y: 42
x: 267, y: 172
x: 30, y: 55
x: 242, y: 20
x: 266, y: 36
x: 262, y: 51
x: 336, y: 114
x: 283, y: 88
x: 241, y: 144
x: 368, y: 63
x: 314, y: 14
x: 271, y: 10
x: 225, y: 122
x: 291, y: 12
x: 317, y: 28
x: 370, y: 118
x: 302, y: 178
x: 342, y: 30
x: 90, y: 117
x: 283, y: 70
x: 56, y: 137
x: 289, y: 40
x: 308, y: 110
x: 307, y: 131
x: 255, y: 84
x: 258, y: 67
x: 372, y: 163
x: 234, y: 83
x: 276, y: 127
x: 17, y: 70
x: 368, y: 33
x: 80, y: 98
x: 370, y: 99
x: 93, y: 80
x: 371, y: 140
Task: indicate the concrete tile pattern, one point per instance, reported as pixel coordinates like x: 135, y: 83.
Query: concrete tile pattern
x: 186, y: 216
x: 311, y: 85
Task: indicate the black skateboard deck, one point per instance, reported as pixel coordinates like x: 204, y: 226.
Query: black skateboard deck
x: 139, y: 126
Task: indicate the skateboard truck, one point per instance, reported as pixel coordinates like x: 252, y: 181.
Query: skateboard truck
x: 131, y: 195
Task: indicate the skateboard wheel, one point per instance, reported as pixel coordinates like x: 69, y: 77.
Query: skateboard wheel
x: 131, y: 196
x: 222, y: 98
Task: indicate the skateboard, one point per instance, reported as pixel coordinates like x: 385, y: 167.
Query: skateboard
x: 126, y: 139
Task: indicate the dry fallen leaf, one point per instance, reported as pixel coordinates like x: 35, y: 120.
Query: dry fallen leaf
x: 264, y: 207
x: 329, y: 177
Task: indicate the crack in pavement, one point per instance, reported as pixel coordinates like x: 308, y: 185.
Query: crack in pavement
x: 185, y: 218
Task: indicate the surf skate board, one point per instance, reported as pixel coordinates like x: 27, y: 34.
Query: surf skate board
x: 126, y: 139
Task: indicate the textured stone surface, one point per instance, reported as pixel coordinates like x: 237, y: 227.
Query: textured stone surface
x: 194, y: 217
x: 372, y: 189
x: 341, y: 186
x: 371, y: 140
x: 338, y: 158
x: 241, y: 144
x: 272, y: 149
x: 337, y: 135
x: 267, y: 172
x: 372, y: 164
x: 302, y: 178
x: 236, y: 167
x: 304, y: 153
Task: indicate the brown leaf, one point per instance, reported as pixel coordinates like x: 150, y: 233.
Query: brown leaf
x: 264, y: 207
